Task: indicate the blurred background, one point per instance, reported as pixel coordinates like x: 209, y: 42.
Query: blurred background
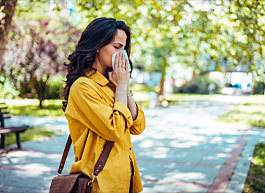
x: 185, y: 46
x: 182, y: 50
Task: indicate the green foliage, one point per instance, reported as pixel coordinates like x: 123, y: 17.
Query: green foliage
x: 39, y: 41
x: 143, y: 88
x: 7, y: 89
x: 28, y: 135
x: 168, y: 32
x: 164, y: 33
x: 258, y: 122
x: 259, y: 87
x: 25, y: 90
x: 55, y: 87
x: 249, y: 17
x: 255, y: 182
x: 152, y: 24
x: 201, y: 85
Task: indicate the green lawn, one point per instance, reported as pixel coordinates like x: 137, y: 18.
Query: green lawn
x: 30, y: 107
x: 255, y: 182
x: 28, y: 135
x: 251, y: 113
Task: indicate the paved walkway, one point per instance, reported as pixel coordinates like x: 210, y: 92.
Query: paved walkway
x: 183, y: 149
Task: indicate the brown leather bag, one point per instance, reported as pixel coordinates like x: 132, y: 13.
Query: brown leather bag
x: 79, y: 182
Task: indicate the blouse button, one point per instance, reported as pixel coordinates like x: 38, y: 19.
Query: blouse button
x: 130, y: 150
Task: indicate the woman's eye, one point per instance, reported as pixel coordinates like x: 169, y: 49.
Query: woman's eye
x: 116, y: 47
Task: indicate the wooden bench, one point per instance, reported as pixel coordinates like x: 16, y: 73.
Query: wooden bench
x: 12, y: 129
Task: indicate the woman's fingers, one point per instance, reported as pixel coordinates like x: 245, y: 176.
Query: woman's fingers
x: 127, y: 65
x: 123, y: 61
x: 120, y: 75
x: 120, y: 60
x: 116, y: 63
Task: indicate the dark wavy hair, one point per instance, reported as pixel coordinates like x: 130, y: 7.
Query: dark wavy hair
x: 97, y: 34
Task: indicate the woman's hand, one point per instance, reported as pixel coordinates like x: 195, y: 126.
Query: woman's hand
x: 120, y: 75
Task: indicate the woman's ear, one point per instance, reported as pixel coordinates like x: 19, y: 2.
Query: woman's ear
x: 97, y: 50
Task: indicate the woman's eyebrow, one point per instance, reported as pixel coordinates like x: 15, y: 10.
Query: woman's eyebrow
x: 118, y: 43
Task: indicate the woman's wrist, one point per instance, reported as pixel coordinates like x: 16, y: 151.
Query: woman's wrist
x: 121, y: 95
x: 121, y: 89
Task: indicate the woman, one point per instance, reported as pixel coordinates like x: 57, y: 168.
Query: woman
x: 99, y: 106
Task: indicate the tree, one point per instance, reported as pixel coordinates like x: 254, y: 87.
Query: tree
x: 7, y: 9
x: 37, y: 49
x: 152, y: 24
x: 249, y: 17
x: 227, y: 36
x: 162, y: 34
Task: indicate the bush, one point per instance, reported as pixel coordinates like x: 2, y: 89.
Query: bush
x: 53, y: 90
x: 201, y: 85
x: 55, y: 87
x: 259, y: 87
x: 7, y: 89
x: 257, y: 123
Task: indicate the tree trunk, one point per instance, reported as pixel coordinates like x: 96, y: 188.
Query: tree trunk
x: 7, y: 9
x: 193, y: 75
x: 41, y: 90
x: 161, y: 89
x: 161, y: 97
x: 40, y: 87
x: 40, y: 104
x: 161, y: 86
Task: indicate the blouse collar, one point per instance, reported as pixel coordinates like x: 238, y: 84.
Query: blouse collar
x: 97, y: 77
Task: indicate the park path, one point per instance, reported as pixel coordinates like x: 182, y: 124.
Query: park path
x: 183, y: 149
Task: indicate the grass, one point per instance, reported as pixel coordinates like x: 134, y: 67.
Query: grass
x: 28, y: 135
x: 30, y: 107
x: 251, y: 113
x: 255, y: 182
x: 141, y: 95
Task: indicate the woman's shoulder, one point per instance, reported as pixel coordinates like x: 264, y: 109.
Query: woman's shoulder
x: 83, y: 83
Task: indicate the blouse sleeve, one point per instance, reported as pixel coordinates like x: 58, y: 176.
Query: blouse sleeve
x: 139, y: 123
x: 86, y: 105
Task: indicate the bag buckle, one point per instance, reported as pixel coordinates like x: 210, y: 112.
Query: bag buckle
x: 92, y: 180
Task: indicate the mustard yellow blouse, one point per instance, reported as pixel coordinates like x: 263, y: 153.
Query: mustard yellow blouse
x: 93, y: 117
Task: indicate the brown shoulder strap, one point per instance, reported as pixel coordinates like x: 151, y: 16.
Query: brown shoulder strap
x: 100, y: 163
x: 65, y: 153
x: 103, y: 157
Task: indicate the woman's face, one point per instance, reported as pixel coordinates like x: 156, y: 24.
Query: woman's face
x: 105, y: 53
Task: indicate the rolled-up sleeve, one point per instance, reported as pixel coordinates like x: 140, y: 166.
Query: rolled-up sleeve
x: 86, y: 105
x: 138, y: 125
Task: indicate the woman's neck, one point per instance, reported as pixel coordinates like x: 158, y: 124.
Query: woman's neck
x: 102, y: 69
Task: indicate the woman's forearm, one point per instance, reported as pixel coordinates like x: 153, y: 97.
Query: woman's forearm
x: 132, y: 107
